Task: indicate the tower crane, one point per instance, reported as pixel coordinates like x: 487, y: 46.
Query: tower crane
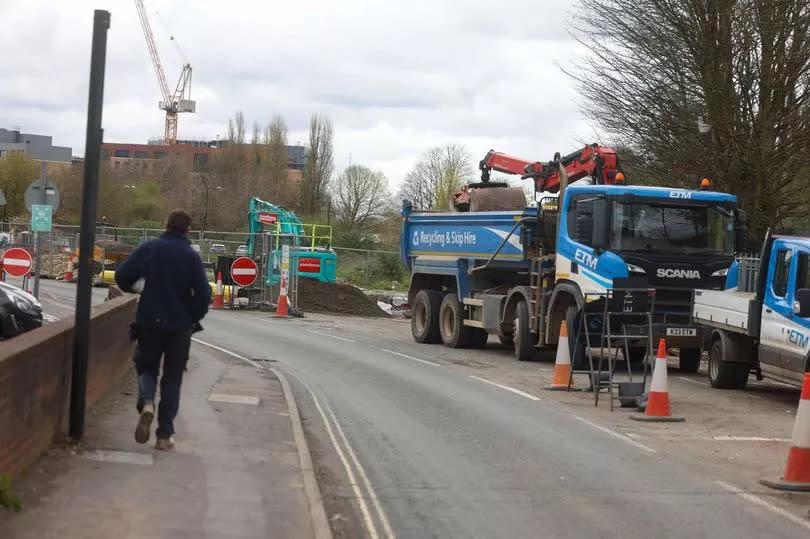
x: 173, y: 102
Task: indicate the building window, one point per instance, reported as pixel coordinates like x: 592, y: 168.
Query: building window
x: 140, y: 154
x: 160, y: 155
x: 105, y: 154
x: 118, y: 164
x: 122, y: 153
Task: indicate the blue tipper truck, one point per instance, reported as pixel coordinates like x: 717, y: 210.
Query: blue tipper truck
x: 518, y: 274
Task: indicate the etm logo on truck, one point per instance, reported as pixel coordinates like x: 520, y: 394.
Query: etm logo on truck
x: 798, y: 338
x: 585, y: 259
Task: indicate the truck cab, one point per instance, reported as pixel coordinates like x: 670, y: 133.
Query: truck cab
x: 671, y: 240
x: 760, y: 323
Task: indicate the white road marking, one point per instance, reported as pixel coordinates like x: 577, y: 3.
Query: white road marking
x: 748, y: 439
x: 224, y: 351
x: 234, y: 399
x: 374, y: 499
x: 693, y: 381
x: 372, y: 529
x: 765, y: 505
x: 119, y: 457
x: 49, y: 317
x: 616, y: 435
x: 425, y: 361
x: 330, y: 335
x: 507, y: 388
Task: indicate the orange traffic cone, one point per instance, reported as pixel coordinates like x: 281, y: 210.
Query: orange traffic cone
x: 283, y: 305
x: 219, y: 300
x: 69, y: 270
x: 658, y: 400
x: 562, y: 364
x: 797, y: 474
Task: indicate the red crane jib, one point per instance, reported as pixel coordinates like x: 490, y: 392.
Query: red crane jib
x: 592, y: 160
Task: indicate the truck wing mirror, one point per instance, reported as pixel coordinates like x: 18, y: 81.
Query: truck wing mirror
x: 801, y: 303
x: 601, y: 222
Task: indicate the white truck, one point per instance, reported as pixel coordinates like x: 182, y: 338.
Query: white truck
x: 761, y: 323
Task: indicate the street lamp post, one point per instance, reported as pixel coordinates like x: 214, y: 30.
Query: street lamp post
x: 132, y: 203
x: 205, y: 211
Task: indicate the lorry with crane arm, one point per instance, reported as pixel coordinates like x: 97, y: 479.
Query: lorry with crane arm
x: 518, y: 273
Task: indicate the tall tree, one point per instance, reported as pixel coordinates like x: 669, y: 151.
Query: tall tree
x: 16, y: 172
x: 438, y: 172
x: 360, y: 197
x: 716, y: 88
x: 319, y: 165
x: 277, y: 158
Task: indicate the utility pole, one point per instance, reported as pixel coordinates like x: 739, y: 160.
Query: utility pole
x: 205, y: 210
x: 94, y: 137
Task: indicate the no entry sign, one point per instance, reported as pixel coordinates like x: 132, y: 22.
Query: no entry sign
x: 17, y: 262
x: 244, y: 271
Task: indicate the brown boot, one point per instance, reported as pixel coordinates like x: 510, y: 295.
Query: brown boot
x: 164, y: 444
x: 145, y: 422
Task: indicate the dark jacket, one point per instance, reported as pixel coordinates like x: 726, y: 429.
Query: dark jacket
x: 176, y: 293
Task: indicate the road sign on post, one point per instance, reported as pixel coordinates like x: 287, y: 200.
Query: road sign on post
x: 17, y: 262
x: 40, y: 218
x: 42, y: 192
x: 244, y: 271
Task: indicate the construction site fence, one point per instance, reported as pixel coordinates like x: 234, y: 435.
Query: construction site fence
x: 361, y: 267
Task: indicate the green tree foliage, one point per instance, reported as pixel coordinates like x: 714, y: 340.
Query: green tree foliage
x: 16, y: 173
x: 706, y: 88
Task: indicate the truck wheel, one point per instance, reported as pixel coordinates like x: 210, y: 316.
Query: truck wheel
x: 725, y: 374
x: 523, y: 338
x: 689, y: 360
x: 425, y: 316
x: 579, y: 359
x: 451, y: 323
x: 507, y: 340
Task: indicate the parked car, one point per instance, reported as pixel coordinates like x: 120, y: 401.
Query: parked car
x: 19, y: 311
x: 217, y: 249
x: 241, y: 250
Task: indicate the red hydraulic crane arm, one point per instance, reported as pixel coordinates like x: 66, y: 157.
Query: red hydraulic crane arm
x: 598, y: 161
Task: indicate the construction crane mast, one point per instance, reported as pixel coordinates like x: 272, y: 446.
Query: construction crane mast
x: 172, y: 102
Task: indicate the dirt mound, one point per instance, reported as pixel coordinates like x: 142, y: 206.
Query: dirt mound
x: 315, y: 296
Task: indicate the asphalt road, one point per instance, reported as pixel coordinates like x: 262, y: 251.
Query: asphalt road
x: 59, y: 298
x: 429, y: 450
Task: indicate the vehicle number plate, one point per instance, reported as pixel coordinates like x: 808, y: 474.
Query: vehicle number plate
x: 681, y: 332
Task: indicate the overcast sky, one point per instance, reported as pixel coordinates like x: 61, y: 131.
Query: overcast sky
x: 394, y: 77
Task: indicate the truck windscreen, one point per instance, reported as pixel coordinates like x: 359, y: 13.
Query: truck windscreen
x: 687, y: 229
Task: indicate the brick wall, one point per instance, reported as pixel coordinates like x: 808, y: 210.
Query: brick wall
x: 35, y: 370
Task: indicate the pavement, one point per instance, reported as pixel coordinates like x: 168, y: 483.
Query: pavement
x: 421, y: 441
x: 239, y: 469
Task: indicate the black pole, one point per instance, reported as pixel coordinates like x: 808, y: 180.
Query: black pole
x: 87, y: 237
x: 205, y: 211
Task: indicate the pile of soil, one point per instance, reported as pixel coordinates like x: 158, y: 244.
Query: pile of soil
x: 338, y: 298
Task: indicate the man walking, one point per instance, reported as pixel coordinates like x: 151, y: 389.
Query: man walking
x: 174, y: 299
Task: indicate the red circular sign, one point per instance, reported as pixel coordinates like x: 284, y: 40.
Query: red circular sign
x: 17, y: 262
x: 244, y: 271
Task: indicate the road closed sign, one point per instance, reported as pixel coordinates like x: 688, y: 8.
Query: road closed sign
x: 16, y: 262
x: 244, y: 271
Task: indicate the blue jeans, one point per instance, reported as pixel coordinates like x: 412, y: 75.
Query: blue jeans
x: 173, y: 348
